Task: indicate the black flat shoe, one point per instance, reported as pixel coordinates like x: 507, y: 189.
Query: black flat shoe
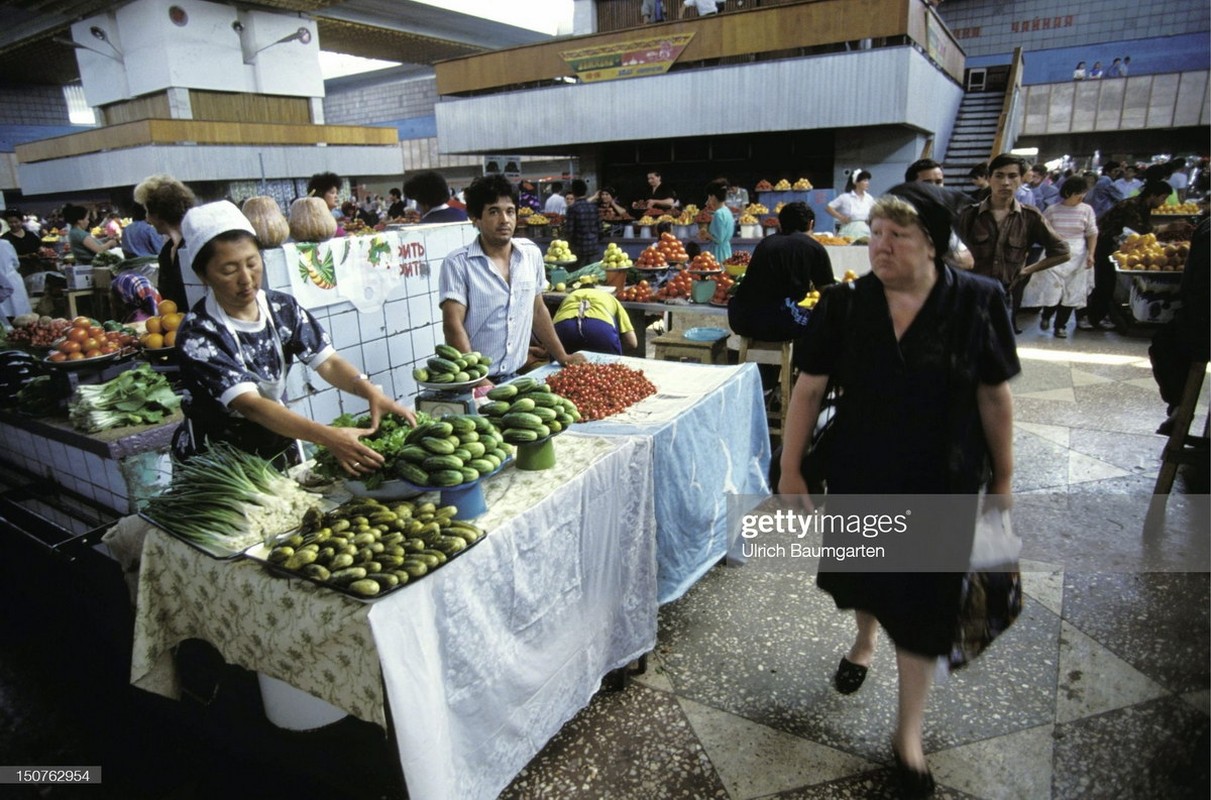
x: 849, y: 676
x: 912, y: 784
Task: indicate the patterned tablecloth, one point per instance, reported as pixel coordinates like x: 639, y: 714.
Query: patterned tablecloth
x: 484, y: 660
x: 710, y: 440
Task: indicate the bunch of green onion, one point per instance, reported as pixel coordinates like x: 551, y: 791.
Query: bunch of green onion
x: 228, y: 499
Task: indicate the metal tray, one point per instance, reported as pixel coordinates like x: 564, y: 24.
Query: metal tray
x: 260, y: 553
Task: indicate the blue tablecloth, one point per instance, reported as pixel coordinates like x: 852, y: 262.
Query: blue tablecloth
x: 710, y: 439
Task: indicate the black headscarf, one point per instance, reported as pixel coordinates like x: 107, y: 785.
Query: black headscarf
x: 937, y: 207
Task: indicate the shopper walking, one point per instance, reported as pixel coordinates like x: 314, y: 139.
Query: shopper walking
x: 923, y: 354
x: 582, y: 225
x: 1062, y: 290
x: 1001, y: 231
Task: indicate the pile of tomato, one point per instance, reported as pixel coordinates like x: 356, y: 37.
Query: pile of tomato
x: 638, y: 292
x: 601, y: 390
x: 84, y: 339
x: 723, y: 289
x: 678, y: 285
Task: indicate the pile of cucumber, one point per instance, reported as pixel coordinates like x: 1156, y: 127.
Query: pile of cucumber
x: 450, y: 366
x: 366, y: 548
x: 455, y: 449
x: 526, y: 410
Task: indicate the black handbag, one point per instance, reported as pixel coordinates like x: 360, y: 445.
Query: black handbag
x: 816, y: 457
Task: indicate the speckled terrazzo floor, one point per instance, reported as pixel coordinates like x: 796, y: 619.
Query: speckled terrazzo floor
x: 1101, y: 689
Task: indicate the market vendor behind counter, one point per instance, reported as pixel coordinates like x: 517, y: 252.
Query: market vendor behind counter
x: 238, y: 345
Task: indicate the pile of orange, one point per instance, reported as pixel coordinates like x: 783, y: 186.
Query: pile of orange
x: 162, y: 330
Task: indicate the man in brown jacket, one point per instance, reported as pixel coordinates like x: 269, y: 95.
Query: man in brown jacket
x: 1000, y: 231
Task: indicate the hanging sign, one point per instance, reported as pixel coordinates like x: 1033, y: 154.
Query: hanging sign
x: 633, y: 58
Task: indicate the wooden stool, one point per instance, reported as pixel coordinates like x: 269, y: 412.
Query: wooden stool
x: 675, y: 347
x: 1182, y: 448
x: 779, y: 353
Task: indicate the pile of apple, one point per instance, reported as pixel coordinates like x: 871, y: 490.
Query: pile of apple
x: 615, y: 257
x: 558, y: 252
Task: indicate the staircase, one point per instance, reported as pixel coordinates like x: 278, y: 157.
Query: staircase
x: 974, y: 133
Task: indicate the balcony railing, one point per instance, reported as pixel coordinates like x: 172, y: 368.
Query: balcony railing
x: 784, y: 31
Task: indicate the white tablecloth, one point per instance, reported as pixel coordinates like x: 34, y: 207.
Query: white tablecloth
x: 483, y: 661
x: 710, y: 439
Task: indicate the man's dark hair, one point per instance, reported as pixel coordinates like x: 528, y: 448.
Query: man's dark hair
x: 1039, y: 169
x: 919, y: 166
x: 138, y: 213
x: 1005, y: 160
x: 717, y: 189
x: 395, y: 193
x: 978, y: 171
x: 796, y: 217
x: 557, y: 187
x: 13, y: 211
x: 579, y: 187
x: 322, y: 182
x: 1154, y: 188
x: 427, y: 188
x: 1109, y: 167
x: 170, y: 202
x: 73, y: 214
x: 486, y: 190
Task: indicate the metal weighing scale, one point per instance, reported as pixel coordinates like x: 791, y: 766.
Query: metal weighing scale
x: 441, y: 402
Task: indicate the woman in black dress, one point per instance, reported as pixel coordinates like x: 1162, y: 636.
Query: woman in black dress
x: 922, y: 354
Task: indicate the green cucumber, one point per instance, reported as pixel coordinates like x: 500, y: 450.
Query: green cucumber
x: 447, y: 351
x: 505, y: 391
x: 442, y: 447
x: 445, y: 477
x: 521, y: 419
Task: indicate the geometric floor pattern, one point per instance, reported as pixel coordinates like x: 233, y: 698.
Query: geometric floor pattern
x: 1100, y: 689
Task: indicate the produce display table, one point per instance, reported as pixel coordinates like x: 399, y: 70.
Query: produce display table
x: 710, y: 438
x: 484, y: 660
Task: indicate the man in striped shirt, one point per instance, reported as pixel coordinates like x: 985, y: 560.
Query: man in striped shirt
x: 490, y: 290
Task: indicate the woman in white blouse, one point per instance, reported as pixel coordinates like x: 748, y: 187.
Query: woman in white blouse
x: 852, y: 209
x: 1062, y: 290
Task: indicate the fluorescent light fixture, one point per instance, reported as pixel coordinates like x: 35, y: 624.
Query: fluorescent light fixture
x: 339, y: 65
x: 1026, y: 152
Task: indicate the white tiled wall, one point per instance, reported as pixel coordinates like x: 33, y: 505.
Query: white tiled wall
x: 95, y: 477
x: 385, y: 344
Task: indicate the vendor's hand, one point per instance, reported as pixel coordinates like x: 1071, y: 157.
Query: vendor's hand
x: 1089, y: 262
x: 574, y: 358
x: 354, y: 457
x: 999, y: 494
x: 382, y: 404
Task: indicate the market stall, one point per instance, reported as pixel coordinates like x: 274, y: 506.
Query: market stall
x: 482, y: 661
x: 709, y: 440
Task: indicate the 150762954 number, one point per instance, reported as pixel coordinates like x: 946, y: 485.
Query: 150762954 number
x: 36, y: 776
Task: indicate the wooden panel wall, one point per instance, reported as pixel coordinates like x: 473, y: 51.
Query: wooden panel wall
x: 152, y: 106
x: 790, y: 27
x: 235, y: 106
x: 175, y: 131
